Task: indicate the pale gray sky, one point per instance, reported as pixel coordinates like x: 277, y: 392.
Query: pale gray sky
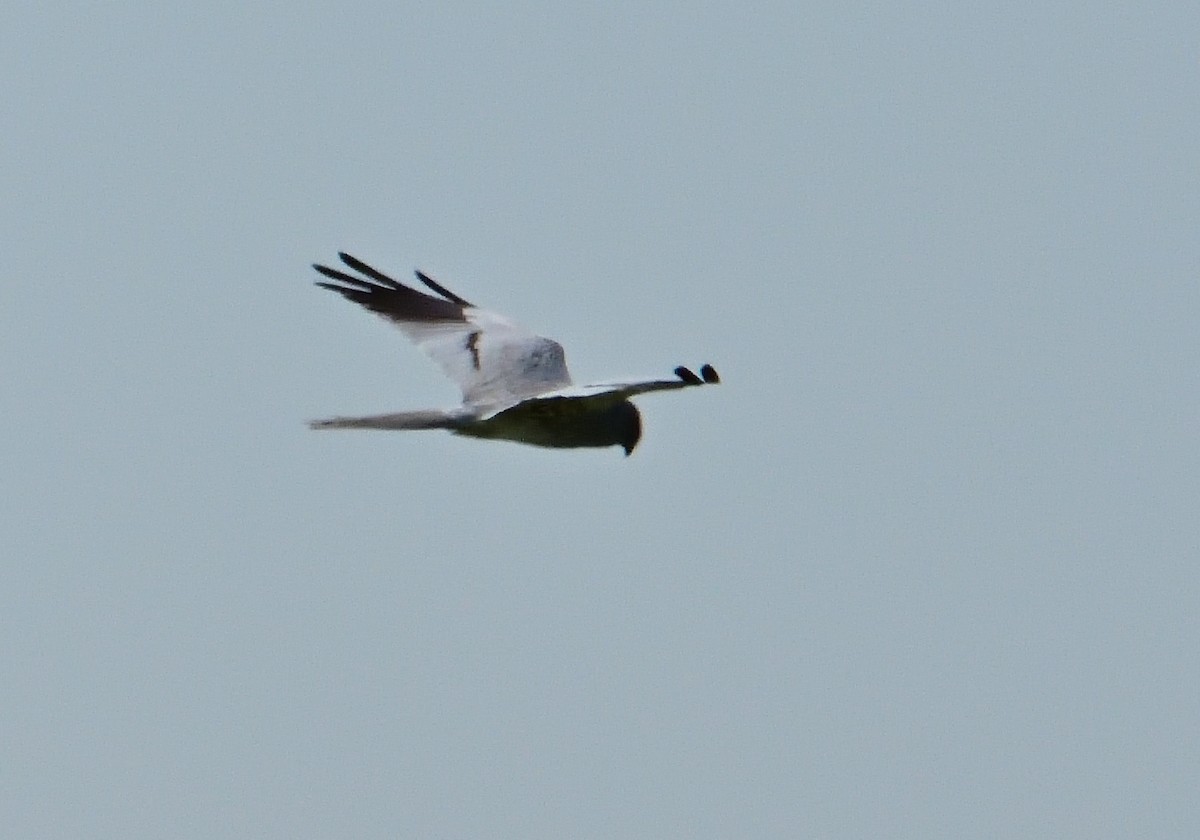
x: 924, y: 566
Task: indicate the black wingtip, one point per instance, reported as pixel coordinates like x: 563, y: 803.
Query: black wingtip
x: 383, y: 295
x: 355, y: 283
x: 322, y: 269
x: 709, y: 374
x: 440, y: 289
x: 351, y: 261
x: 687, y: 376
x: 362, y: 268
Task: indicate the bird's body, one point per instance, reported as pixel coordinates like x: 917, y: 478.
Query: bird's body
x: 515, y: 384
x: 562, y: 423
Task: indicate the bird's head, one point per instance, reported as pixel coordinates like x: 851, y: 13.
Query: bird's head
x: 627, y: 423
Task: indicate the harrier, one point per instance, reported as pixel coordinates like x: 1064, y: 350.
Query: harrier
x: 515, y: 384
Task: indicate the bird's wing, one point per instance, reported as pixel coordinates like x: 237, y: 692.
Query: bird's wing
x: 430, y: 419
x: 611, y: 392
x: 493, y: 360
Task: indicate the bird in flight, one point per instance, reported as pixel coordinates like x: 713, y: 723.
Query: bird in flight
x: 515, y: 384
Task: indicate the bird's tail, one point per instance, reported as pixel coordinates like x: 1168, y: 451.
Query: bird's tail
x: 432, y: 419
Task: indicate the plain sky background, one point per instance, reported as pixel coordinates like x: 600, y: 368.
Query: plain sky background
x: 924, y: 566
